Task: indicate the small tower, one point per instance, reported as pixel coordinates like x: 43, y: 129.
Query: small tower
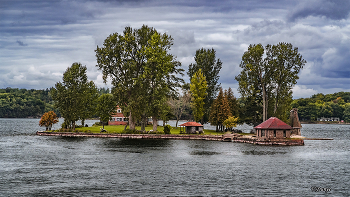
x: 294, y: 121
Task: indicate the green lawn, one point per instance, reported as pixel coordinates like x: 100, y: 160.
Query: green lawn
x: 120, y: 129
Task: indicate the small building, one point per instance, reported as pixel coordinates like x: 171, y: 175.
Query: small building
x: 192, y: 127
x: 273, y: 128
x: 118, y: 118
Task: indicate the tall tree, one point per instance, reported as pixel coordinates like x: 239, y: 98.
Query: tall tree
x: 287, y: 63
x: 106, y: 107
x: 70, y: 96
x: 220, y: 110
x: 271, y: 75
x: 206, y: 61
x: 134, y: 61
x: 255, y: 73
x: 198, y: 89
x: 160, y: 75
x: 233, y: 102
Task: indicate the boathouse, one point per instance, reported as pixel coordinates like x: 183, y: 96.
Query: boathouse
x: 273, y: 128
x: 192, y: 127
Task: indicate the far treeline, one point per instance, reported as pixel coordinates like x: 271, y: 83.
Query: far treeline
x: 147, y: 81
x: 335, y: 105
x: 23, y: 103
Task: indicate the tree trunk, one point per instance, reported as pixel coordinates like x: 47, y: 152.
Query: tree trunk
x: 264, y: 103
x: 73, y: 124
x: 143, y: 122
x: 131, y: 122
x: 276, y: 101
x: 177, y: 121
x: 155, y: 123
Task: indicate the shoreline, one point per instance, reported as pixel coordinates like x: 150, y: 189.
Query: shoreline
x: 224, y: 138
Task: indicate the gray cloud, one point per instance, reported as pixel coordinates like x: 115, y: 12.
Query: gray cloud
x: 21, y: 43
x: 332, y: 9
x: 57, y: 33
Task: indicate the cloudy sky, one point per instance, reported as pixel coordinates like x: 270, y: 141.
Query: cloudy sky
x: 39, y: 39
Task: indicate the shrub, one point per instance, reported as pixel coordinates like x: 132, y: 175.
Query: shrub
x: 167, y: 129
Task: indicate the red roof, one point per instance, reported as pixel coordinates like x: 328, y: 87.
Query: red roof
x: 273, y: 123
x: 191, y: 124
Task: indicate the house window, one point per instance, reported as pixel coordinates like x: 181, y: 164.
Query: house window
x: 263, y: 133
x: 284, y: 133
x: 119, y: 119
x: 119, y: 111
x: 274, y: 133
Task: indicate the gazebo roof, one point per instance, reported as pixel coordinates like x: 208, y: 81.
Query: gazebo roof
x: 273, y: 123
x: 191, y: 124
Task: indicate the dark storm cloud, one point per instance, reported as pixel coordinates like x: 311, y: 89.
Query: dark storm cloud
x: 21, y: 43
x: 332, y: 9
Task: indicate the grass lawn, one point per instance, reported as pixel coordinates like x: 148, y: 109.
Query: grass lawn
x: 120, y: 129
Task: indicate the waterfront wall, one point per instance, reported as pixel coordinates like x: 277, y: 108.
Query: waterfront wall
x: 228, y: 138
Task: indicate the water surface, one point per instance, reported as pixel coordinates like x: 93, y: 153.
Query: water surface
x: 33, y: 165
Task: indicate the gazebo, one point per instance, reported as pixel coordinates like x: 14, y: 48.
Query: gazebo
x: 192, y: 127
x: 273, y: 128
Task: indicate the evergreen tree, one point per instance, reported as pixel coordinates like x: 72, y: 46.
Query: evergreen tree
x: 233, y: 102
x: 220, y: 110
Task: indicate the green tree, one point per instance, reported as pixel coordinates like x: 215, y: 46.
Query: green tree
x: 233, y: 102
x: 134, y: 61
x: 106, y: 106
x: 287, y: 63
x: 206, y: 61
x: 198, y: 89
x: 160, y: 75
x: 272, y: 75
x: 346, y: 114
x: 70, y: 96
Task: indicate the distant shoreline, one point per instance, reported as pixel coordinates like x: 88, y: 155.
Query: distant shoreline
x: 324, y: 122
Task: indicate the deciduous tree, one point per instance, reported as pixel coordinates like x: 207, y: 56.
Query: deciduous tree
x: 70, y: 96
x: 106, y: 107
x: 48, y: 119
x: 272, y: 75
x: 198, y: 89
x: 206, y: 61
x: 142, y: 71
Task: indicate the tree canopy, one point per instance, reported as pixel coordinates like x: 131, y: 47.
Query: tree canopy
x: 142, y: 72
x: 210, y: 66
x: 105, y: 108
x: 198, y: 91
x: 270, y: 76
x: 48, y: 119
x: 74, y: 95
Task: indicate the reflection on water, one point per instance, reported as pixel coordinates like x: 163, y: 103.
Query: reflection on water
x: 204, y: 153
x: 33, y: 165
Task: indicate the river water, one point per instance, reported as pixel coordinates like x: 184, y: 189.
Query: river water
x: 33, y: 165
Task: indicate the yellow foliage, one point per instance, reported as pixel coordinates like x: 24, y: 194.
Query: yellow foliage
x: 230, y: 122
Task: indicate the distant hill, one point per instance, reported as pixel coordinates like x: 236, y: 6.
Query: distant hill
x: 320, y: 105
x: 23, y: 103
